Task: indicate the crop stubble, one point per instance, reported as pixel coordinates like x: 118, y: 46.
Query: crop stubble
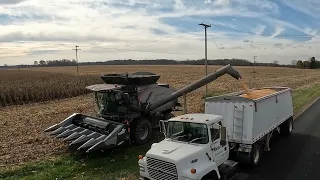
x: 21, y: 127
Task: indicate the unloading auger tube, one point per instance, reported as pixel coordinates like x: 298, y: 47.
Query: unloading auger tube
x: 228, y: 69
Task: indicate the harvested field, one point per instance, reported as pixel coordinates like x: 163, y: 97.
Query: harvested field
x: 21, y: 127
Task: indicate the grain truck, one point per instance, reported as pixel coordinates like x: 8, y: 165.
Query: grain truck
x: 235, y: 128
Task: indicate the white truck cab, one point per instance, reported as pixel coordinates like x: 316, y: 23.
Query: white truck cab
x: 195, y: 145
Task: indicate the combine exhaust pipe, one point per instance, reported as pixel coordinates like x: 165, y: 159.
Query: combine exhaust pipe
x: 228, y: 69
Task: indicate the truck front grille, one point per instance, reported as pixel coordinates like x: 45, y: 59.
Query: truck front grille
x: 161, y: 170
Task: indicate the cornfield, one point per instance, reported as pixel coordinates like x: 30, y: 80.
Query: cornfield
x: 23, y: 87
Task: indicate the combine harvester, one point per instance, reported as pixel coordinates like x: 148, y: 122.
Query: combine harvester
x: 130, y: 106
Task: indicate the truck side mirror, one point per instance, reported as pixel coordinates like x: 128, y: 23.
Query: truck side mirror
x: 162, y: 126
x: 223, y: 141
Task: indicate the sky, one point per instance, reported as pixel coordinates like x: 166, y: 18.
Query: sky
x: 282, y: 30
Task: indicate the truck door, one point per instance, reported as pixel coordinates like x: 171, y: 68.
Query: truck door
x: 219, y: 152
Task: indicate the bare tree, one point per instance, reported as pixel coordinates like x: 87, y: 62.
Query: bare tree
x: 294, y: 62
x: 275, y: 62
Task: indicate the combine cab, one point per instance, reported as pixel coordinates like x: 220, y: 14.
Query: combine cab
x: 129, y: 107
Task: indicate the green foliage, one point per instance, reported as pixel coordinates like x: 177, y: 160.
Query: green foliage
x: 306, y: 64
x: 300, y: 64
x: 313, y: 63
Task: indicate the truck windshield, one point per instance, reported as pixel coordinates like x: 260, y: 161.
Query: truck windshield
x: 188, y: 132
x: 107, y: 102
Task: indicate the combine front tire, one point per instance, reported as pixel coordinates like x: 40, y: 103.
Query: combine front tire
x: 141, y: 131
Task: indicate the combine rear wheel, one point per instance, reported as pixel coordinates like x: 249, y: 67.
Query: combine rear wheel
x: 141, y: 131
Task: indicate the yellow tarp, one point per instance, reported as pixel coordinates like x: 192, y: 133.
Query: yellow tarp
x: 255, y: 94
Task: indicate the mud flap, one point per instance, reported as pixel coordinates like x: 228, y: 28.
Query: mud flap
x: 90, y: 133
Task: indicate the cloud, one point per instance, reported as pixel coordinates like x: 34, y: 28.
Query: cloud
x: 11, y: 1
x: 236, y: 47
x: 311, y: 7
x: 60, y: 36
x: 247, y: 41
x: 278, y: 30
x: 178, y: 5
x: 140, y: 29
x: 221, y: 2
x: 259, y: 29
x: 278, y: 44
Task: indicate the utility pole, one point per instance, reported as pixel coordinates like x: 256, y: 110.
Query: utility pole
x: 254, y: 61
x: 76, y: 49
x: 205, y: 51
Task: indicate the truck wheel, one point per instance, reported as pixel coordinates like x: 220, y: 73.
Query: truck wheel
x: 141, y: 131
x: 255, y: 155
x: 286, y: 127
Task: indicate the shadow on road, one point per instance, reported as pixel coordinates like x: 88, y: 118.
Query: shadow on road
x: 283, y: 159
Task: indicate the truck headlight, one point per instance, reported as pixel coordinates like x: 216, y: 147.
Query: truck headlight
x: 141, y: 167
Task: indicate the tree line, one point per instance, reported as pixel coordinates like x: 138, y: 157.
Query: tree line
x: 63, y: 62
x: 312, y: 63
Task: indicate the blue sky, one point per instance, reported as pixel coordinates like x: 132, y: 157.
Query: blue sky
x: 283, y: 30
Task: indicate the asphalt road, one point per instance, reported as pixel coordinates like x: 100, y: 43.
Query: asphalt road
x: 296, y: 157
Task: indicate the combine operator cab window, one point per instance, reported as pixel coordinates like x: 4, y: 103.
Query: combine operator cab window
x: 188, y: 132
x: 107, y: 102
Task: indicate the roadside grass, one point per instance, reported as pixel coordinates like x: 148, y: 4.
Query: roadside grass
x: 304, y: 96
x: 116, y: 164
x: 120, y: 163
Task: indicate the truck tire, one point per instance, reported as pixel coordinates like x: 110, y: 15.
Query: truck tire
x: 251, y: 159
x: 286, y: 127
x: 141, y: 131
x: 255, y: 155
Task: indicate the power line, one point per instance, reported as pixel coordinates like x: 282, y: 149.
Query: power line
x: 217, y: 46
